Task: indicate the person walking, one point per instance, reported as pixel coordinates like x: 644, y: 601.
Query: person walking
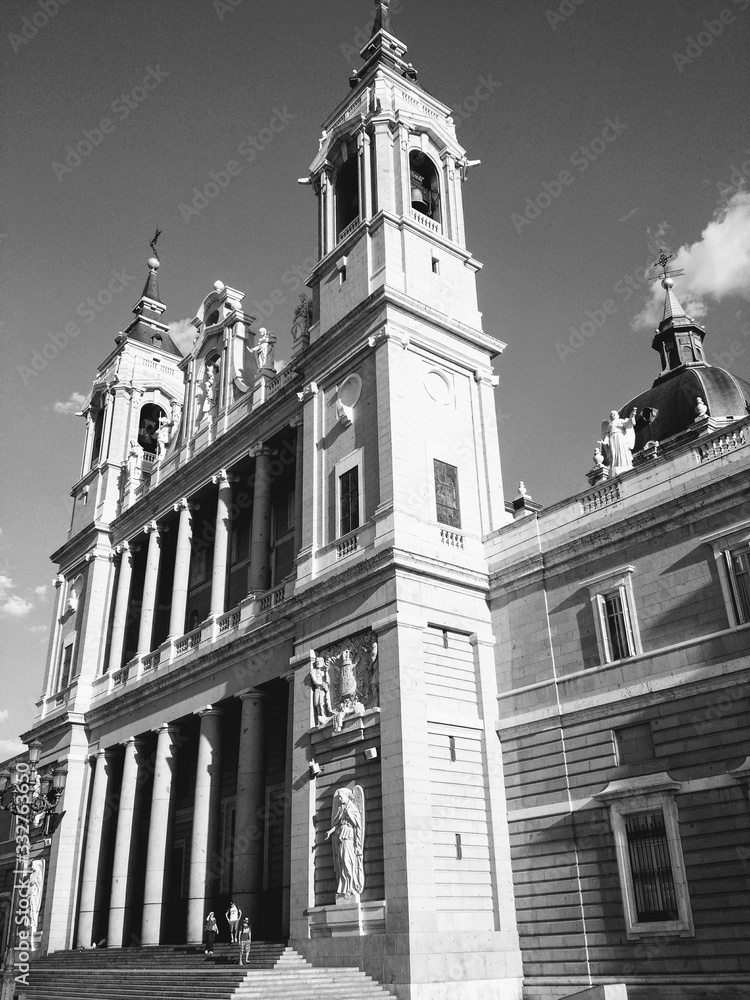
x: 211, y: 929
x: 233, y: 916
x: 244, y: 938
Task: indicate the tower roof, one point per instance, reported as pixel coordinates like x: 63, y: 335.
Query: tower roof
x: 672, y: 308
x: 147, y: 327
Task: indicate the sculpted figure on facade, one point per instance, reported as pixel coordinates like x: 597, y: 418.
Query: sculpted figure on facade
x: 321, y: 690
x: 163, y: 436
x: 208, y: 388
x: 36, y: 886
x: 264, y: 349
x: 302, y: 322
x: 618, y: 441
x: 348, y: 832
x: 135, y: 461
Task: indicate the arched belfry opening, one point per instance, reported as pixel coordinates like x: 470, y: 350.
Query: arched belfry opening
x: 148, y: 426
x: 347, y: 194
x: 425, y: 185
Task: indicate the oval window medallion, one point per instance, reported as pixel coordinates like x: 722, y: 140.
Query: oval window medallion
x: 438, y: 387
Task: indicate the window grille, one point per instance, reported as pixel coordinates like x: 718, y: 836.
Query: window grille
x: 651, y: 867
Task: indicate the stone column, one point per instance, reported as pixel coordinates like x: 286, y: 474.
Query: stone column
x: 95, y: 842
x: 150, y: 584
x: 260, y: 556
x: 221, y: 542
x: 126, y: 821
x: 122, y: 601
x: 298, y: 485
x: 247, y: 881
x: 181, y: 568
x: 204, y: 852
x: 158, y: 830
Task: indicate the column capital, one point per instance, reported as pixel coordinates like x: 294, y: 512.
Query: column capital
x: 251, y: 694
x: 152, y: 527
x: 487, y: 377
x: 126, y: 547
x: 297, y: 420
x: 224, y: 478
x: 208, y: 710
x: 260, y: 448
x: 166, y: 727
x: 384, y: 334
x: 58, y: 580
x: 308, y: 391
x: 184, y: 504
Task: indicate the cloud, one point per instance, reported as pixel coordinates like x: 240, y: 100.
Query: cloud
x: 73, y: 405
x: 11, y: 604
x: 716, y: 265
x: 4, y: 714
x: 183, y: 333
x: 628, y: 215
x: 11, y: 748
x: 41, y: 591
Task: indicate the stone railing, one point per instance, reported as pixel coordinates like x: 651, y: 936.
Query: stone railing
x: 349, y: 230
x: 347, y: 545
x: 143, y: 489
x: 426, y: 221
x: 173, y: 652
x: 601, y: 497
x: 721, y: 445
x: 454, y: 539
x: 285, y: 376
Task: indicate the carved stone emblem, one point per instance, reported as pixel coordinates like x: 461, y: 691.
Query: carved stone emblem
x: 345, y: 679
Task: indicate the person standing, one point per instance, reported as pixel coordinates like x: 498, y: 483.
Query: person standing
x: 233, y: 916
x: 211, y: 929
x: 245, y: 937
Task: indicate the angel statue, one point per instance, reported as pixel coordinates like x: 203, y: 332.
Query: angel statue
x: 348, y: 831
x: 618, y: 441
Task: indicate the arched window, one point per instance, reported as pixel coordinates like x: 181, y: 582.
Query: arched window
x: 148, y: 426
x: 347, y: 195
x: 98, y: 429
x: 425, y: 186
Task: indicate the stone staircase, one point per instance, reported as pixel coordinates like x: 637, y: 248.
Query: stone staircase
x: 275, y: 972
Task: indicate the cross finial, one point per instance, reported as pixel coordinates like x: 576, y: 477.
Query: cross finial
x: 664, y: 259
x: 153, y: 242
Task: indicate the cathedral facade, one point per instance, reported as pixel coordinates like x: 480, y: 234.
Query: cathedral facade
x: 306, y: 658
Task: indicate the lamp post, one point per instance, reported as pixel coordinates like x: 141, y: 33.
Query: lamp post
x: 32, y: 797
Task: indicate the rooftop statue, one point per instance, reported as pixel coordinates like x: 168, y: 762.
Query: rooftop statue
x: 618, y: 441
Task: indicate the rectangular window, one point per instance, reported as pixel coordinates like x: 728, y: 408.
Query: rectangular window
x: 349, y: 500
x: 619, y: 636
x: 446, y: 494
x: 634, y: 744
x: 67, y: 661
x: 739, y: 576
x: 650, y: 867
x: 198, y: 566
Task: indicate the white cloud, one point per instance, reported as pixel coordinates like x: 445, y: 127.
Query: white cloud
x: 11, y: 748
x: 183, y: 333
x: 716, y: 265
x: 41, y: 591
x: 73, y: 405
x: 11, y: 604
x: 4, y: 714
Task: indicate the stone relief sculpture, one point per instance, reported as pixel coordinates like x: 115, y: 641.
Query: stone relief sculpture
x: 345, y: 680
x: 348, y: 832
x: 618, y: 441
x: 163, y: 436
x: 321, y: 689
x: 36, y: 886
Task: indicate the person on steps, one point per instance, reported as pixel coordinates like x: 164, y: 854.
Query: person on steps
x: 244, y: 939
x: 233, y: 916
x: 211, y: 929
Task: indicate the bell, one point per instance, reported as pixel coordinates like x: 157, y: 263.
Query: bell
x: 417, y: 200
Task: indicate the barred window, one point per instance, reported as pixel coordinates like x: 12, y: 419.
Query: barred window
x: 619, y: 634
x: 651, y: 867
x: 349, y: 482
x: 446, y: 494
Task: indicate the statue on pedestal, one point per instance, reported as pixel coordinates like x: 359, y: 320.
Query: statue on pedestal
x: 618, y: 441
x: 163, y: 435
x: 135, y: 461
x: 321, y: 689
x: 348, y: 831
x: 264, y: 349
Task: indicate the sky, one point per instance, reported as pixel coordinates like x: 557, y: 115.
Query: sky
x: 605, y: 131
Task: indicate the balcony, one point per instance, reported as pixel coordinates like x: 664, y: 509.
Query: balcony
x: 213, y: 633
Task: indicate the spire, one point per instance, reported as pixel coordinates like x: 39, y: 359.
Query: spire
x: 151, y: 288
x: 382, y: 20
x: 672, y: 308
x: 147, y: 327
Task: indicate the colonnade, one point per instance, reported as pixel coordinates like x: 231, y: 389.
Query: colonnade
x: 122, y: 807
x: 153, y: 532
